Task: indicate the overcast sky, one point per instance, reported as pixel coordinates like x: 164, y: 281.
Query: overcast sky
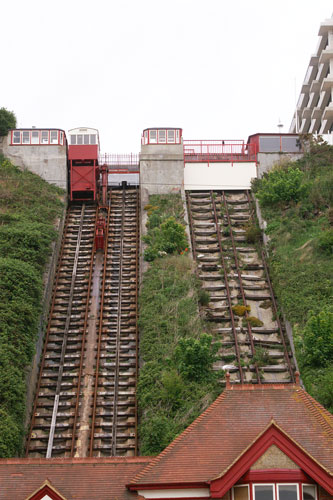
x: 218, y: 69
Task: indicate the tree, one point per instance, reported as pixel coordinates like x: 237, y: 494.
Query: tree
x: 7, y: 121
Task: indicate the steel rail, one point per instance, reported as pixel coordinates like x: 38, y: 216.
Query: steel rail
x: 119, y: 305
x: 65, y: 338
x: 275, y: 309
x: 84, y: 333
x: 218, y: 232
x: 194, y: 252
x: 54, y: 296
x: 240, y: 284
x: 137, y: 240
x: 100, y: 330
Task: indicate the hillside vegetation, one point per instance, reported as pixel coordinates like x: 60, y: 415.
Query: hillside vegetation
x: 28, y: 209
x: 297, y: 203
x: 176, y: 380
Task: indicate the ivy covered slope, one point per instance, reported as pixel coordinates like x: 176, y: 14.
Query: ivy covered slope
x: 28, y: 209
x: 297, y: 203
x: 176, y: 380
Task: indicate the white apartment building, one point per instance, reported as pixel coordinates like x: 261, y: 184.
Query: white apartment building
x: 314, y: 112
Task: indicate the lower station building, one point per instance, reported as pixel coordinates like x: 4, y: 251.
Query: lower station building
x: 255, y: 442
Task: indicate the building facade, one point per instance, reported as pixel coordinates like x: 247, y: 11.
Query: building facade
x: 314, y: 112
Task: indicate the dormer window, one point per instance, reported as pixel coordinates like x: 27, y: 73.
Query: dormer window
x: 275, y: 491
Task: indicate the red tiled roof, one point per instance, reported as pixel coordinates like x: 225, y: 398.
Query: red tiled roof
x: 232, y: 423
x: 74, y: 478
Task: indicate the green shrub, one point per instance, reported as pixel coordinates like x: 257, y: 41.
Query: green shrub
x: 281, y: 185
x: 261, y: 357
x: 203, y: 297
x: 255, y: 322
x: 316, y: 341
x: 157, y: 430
x: 195, y: 357
x: 322, y: 388
x: 252, y: 233
x: 26, y: 241
x: 26, y: 200
x: 7, y: 121
x: 169, y: 237
x: 325, y: 242
x: 240, y: 310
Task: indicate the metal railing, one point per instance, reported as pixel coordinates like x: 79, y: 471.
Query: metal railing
x: 118, y: 161
x: 231, y: 151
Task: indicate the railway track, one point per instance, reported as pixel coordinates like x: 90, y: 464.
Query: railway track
x: 85, y: 399
x: 242, y: 307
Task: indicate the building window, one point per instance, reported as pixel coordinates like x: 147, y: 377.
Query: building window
x: 263, y: 492
x: 25, y: 137
x: 171, y: 136
x: 153, y: 136
x: 16, y: 137
x: 241, y: 492
x: 161, y: 136
x: 35, y: 137
x: 54, y: 137
x: 287, y: 492
x: 45, y: 136
x: 309, y: 491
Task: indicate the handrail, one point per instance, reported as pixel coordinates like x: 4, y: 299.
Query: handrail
x: 219, y: 151
x: 130, y: 159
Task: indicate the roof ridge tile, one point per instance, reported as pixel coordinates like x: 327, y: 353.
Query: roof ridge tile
x: 323, y: 416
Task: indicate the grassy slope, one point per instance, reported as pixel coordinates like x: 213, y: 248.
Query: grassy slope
x: 28, y: 209
x: 302, y: 273
x: 168, y: 399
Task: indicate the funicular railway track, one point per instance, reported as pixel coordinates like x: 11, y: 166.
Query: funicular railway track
x: 234, y: 273
x: 114, y: 407
x: 85, y: 400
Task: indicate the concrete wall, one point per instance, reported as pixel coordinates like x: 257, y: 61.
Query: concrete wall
x: 267, y: 160
x: 203, y: 176
x: 47, y: 161
x: 162, y: 168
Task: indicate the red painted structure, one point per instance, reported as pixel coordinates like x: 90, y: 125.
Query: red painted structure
x: 100, y: 233
x: 275, y: 143
x: 198, y: 151
x: 83, y: 167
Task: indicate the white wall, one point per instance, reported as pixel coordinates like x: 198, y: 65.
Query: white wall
x: 203, y: 176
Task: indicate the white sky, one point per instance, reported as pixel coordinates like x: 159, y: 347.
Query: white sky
x: 219, y: 69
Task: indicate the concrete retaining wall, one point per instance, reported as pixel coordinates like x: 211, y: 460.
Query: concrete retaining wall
x: 267, y: 160
x: 47, y: 161
x: 162, y: 168
x: 203, y: 176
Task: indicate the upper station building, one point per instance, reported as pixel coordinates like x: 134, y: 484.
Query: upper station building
x: 314, y: 112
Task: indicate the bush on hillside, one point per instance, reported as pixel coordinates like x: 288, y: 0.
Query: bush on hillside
x: 325, y: 242
x: 195, y: 357
x: 281, y: 185
x: 26, y: 200
x: 7, y: 121
x: 168, y: 238
x: 315, y: 343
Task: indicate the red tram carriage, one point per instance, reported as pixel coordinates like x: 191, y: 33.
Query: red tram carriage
x: 83, y: 151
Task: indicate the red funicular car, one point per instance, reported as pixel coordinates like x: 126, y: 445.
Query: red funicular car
x: 83, y: 153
